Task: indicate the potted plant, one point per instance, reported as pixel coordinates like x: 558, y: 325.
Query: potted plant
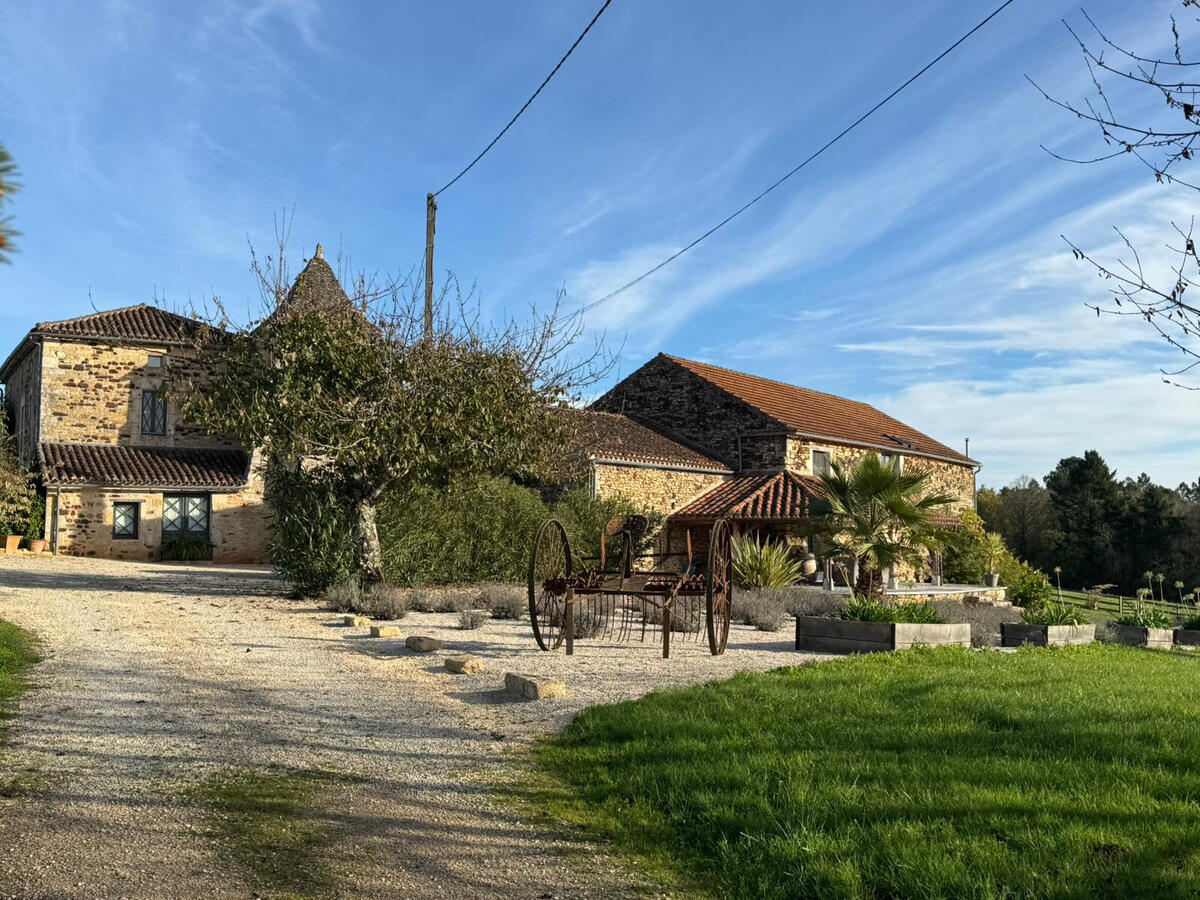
x: 871, y: 625
x: 993, y: 551
x: 1145, y: 626
x: 1188, y: 632
x: 1049, y: 623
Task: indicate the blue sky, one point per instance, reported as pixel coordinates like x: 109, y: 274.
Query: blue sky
x: 918, y: 265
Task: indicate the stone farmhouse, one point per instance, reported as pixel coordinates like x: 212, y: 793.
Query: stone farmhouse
x: 123, y: 473
x: 125, y: 477
x: 697, y: 442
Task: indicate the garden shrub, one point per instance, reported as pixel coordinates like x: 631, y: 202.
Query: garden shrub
x: 763, y: 608
x: 762, y: 564
x: 309, y: 536
x: 985, y: 620
x: 813, y: 603
x: 470, y: 619
x: 1191, y: 624
x: 505, y: 601
x: 1031, y: 590
x: 343, y: 597
x: 481, y: 530
x: 383, y: 601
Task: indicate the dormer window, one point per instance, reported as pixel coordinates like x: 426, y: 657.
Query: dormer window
x: 154, y: 361
x: 154, y: 413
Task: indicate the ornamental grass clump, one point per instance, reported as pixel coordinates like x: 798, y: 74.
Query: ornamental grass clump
x: 761, y: 564
x: 861, y: 608
x: 1052, y: 612
x: 1143, y: 615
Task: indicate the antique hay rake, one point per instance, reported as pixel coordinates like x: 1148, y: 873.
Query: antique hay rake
x: 573, y: 597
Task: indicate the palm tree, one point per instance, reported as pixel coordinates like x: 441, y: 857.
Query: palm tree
x: 881, y: 517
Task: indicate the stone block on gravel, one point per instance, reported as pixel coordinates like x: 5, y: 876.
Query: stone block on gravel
x: 419, y: 644
x: 355, y: 621
x: 531, y: 687
x: 464, y: 665
x: 385, y: 631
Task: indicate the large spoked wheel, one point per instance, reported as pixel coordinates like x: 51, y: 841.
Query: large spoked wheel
x: 719, y: 586
x: 549, y: 584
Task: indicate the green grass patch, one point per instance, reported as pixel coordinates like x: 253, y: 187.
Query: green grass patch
x: 18, y: 651
x: 264, y: 824
x: 929, y: 773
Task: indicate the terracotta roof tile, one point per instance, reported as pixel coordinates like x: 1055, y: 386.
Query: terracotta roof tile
x: 65, y: 464
x: 612, y: 436
x: 779, y: 496
x: 142, y: 323
x: 822, y: 415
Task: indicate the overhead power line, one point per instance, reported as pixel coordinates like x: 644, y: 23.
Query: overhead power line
x: 532, y: 97
x: 674, y: 256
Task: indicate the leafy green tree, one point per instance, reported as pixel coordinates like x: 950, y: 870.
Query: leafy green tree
x: 881, y: 517
x: 1087, y: 498
x: 354, y: 391
x: 17, y: 494
x: 1023, y: 513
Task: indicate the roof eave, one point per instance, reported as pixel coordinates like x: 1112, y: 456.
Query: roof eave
x: 956, y: 458
x: 653, y: 464
x: 164, y: 488
x: 19, y: 351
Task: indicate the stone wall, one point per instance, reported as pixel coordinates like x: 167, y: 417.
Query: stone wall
x: 92, y: 393
x: 956, y: 481
x: 23, y: 392
x: 237, y: 526
x: 662, y: 490
x: 665, y: 392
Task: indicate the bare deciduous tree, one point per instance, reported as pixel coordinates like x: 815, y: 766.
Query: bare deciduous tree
x: 1164, y: 143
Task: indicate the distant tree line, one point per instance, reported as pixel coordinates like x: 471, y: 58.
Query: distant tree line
x: 1099, y: 529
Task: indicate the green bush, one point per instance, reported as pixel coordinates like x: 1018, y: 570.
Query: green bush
x: 481, y: 530
x: 1031, y: 590
x: 309, y: 537
x: 762, y: 564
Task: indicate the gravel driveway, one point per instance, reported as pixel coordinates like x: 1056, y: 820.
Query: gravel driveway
x: 160, y: 674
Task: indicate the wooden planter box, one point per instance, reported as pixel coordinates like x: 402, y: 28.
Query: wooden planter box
x: 1187, y: 637
x: 1155, y: 638
x: 1014, y: 634
x: 826, y: 635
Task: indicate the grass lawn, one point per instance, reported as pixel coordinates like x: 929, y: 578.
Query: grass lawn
x: 17, y: 653
x: 928, y: 773
x: 263, y: 824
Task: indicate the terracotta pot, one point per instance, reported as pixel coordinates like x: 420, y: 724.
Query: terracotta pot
x: 38, y: 546
x: 12, y: 543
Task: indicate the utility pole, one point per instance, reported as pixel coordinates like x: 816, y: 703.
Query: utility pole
x: 430, y: 227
